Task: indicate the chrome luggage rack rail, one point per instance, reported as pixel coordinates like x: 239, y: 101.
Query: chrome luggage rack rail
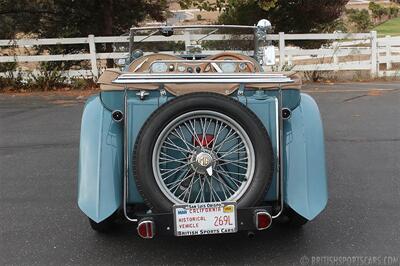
x: 210, y: 78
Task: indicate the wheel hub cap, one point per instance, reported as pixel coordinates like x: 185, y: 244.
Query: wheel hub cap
x: 203, y: 161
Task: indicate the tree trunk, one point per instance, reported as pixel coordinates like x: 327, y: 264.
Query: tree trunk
x: 108, y: 27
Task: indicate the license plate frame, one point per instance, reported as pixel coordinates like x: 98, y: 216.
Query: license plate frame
x: 205, y: 218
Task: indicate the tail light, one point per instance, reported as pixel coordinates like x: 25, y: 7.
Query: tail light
x: 203, y: 141
x: 263, y: 220
x: 146, y: 228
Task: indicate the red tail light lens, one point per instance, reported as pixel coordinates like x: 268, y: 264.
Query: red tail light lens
x: 263, y: 220
x: 203, y: 141
x: 145, y: 229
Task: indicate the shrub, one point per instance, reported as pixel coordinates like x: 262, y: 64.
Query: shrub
x: 47, y: 78
x: 378, y: 11
x: 82, y: 83
x: 393, y: 12
x: 360, y: 19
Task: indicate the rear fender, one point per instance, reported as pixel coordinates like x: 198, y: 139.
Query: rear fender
x: 305, y: 182
x: 100, y: 162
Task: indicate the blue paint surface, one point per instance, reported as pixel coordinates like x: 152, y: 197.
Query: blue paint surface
x: 101, y: 150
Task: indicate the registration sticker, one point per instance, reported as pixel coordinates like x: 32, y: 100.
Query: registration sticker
x: 205, y: 218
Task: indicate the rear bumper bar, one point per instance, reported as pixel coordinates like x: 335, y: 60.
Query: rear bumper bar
x: 164, y: 222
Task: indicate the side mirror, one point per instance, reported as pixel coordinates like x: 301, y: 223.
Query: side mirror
x: 264, y: 23
x: 269, y: 55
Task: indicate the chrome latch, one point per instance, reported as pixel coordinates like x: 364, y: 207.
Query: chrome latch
x: 142, y: 94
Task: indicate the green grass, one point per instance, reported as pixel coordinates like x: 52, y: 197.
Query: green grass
x: 390, y: 27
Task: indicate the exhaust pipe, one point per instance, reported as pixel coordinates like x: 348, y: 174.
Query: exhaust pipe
x: 286, y: 113
x: 117, y: 116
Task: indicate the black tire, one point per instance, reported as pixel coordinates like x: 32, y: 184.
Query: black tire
x: 105, y: 226
x: 293, y: 219
x: 152, y: 128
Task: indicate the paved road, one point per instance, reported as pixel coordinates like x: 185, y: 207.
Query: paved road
x: 41, y: 224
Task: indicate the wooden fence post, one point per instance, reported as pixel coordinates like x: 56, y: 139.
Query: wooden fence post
x: 93, y: 58
x: 335, y: 61
x: 374, y: 54
x: 281, y: 50
x: 388, y: 53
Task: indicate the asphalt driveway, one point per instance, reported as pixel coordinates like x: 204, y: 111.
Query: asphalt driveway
x: 41, y: 224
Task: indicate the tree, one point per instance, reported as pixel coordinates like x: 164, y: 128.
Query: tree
x: 73, y: 18
x: 377, y: 10
x: 18, y: 16
x: 285, y: 15
x: 220, y: 5
x: 76, y: 18
x: 360, y: 19
x: 393, y: 11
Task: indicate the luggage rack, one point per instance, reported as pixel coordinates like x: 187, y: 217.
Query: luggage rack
x: 202, y: 78
x: 213, y: 78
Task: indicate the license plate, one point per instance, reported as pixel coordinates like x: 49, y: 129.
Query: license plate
x: 205, y: 218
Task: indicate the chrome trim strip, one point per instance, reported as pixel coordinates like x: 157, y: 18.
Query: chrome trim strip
x: 280, y: 154
x: 278, y: 150
x: 200, y: 75
x: 201, y: 81
x: 126, y: 158
x: 152, y: 78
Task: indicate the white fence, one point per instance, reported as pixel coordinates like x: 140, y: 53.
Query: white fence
x: 356, y: 51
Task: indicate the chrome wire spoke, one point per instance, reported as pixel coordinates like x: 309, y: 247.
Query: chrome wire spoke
x: 228, y: 172
x: 240, y: 160
x: 234, y: 164
x: 181, y: 136
x: 213, y: 192
x: 220, y: 187
x: 178, y: 183
x: 226, y: 178
x: 165, y: 160
x: 224, y: 187
x: 174, y: 185
x: 174, y: 171
x: 217, y: 135
x: 227, y: 140
x: 203, y: 128
x: 200, y: 194
x: 167, y: 156
x: 233, y: 161
x: 188, y: 191
x: 192, y: 132
x: 233, y: 150
x: 233, y: 179
x: 170, y: 142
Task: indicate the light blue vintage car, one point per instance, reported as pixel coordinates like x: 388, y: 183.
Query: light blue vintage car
x: 202, y: 141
